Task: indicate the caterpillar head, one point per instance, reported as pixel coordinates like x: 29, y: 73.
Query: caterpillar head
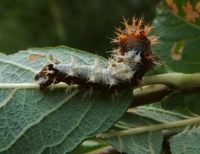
x: 55, y: 73
x: 134, y: 45
x: 46, y: 76
x: 134, y: 36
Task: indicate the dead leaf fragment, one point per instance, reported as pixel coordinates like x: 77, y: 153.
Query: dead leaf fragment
x: 190, y: 13
x: 177, y: 51
x: 197, y: 7
x: 33, y: 57
x: 172, y: 6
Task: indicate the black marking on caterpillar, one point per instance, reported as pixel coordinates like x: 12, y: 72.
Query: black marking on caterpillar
x: 125, y: 69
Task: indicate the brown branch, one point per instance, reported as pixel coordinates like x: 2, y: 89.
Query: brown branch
x: 150, y: 94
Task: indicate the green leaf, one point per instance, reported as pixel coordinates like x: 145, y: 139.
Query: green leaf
x: 174, y: 101
x: 143, y: 140
x: 157, y: 113
x: 179, y: 38
x: 139, y: 143
x: 186, y: 142
x: 133, y: 119
x: 193, y: 101
x: 148, y: 142
x: 52, y: 121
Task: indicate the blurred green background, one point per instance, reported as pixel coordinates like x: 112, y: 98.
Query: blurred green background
x: 82, y: 24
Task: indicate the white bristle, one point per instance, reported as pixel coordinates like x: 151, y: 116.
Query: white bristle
x: 137, y: 58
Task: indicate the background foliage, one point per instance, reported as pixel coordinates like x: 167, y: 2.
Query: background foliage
x: 81, y: 24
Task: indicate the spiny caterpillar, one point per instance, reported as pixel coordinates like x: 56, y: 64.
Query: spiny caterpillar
x: 125, y: 68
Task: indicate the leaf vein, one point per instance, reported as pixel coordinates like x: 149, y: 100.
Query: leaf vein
x: 10, y: 96
x: 38, y: 121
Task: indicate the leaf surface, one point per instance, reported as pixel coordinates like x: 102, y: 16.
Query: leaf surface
x: 52, y: 121
x: 186, y: 142
x: 149, y: 142
x: 139, y: 118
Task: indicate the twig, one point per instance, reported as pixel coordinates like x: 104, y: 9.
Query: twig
x: 181, y: 81
x: 153, y: 88
x: 143, y: 129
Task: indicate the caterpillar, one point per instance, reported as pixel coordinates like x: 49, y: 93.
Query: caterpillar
x: 125, y: 68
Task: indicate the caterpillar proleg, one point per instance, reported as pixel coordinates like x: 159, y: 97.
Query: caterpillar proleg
x: 125, y: 68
